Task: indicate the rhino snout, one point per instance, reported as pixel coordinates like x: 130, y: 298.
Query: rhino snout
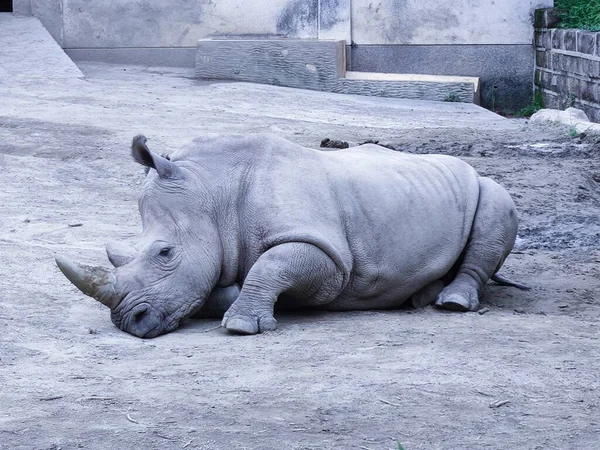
x: 144, y: 322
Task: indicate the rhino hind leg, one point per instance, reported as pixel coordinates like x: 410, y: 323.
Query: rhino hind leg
x: 300, y: 271
x: 492, y: 237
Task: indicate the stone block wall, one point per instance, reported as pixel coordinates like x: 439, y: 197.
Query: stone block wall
x: 567, y: 66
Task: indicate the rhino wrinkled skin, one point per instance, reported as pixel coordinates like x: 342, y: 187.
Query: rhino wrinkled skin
x: 353, y: 229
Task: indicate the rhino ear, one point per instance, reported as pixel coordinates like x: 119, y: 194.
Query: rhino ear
x: 141, y: 153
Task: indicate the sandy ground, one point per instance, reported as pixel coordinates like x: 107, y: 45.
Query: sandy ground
x: 524, y: 375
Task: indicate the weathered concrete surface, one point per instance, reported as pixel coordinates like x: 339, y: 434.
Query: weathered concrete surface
x: 180, y: 23
x: 27, y: 50
x: 69, y: 379
x: 154, y: 57
x: 444, y: 21
x: 190, y: 106
x: 335, y: 21
x: 22, y: 7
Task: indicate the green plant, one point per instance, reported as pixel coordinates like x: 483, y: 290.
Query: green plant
x: 452, y: 97
x: 584, y: 14
x: 573, y: 132
x: 536, y: 104
x: 400, y: 446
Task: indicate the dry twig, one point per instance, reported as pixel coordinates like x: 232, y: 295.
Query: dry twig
x: 500, y: 403
x: 48, y: 399
x: 388, y: 403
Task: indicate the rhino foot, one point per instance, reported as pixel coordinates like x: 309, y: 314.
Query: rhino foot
x: 248, y: 324
x: 457, y: 301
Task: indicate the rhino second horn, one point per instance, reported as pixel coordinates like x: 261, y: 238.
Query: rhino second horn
x: 96, y: 282
x: 119, y: 254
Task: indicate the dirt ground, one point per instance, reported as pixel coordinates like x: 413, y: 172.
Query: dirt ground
x: 524, y: 375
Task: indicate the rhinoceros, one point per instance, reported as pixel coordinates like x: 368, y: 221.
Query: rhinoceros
x: 233, y: 224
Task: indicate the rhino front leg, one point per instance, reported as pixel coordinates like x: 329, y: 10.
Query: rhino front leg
x: 492, y: 238
x: 298, y: 270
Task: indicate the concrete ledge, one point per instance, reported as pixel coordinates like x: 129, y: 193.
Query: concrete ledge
x: 166, y: 57
x: 505, y: 71
x: 411, y: 86
x: 305, y: 64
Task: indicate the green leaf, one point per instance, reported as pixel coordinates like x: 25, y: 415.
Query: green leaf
x: 584, y: 14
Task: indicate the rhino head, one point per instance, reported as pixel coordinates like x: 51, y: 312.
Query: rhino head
x: 176, y: 263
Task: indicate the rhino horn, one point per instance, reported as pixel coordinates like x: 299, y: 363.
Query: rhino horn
x: 119, y: 254
x: 96, y: 282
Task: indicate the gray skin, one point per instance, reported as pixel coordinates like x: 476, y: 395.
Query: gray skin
x: 354, y: 229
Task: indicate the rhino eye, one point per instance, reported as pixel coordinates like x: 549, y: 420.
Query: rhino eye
x: 165, y: 251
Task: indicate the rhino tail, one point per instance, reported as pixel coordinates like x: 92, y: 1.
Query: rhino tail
x: 502, y: 281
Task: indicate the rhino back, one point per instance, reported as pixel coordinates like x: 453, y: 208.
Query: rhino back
x: 392, y: 222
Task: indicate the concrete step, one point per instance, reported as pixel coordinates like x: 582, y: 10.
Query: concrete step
x: 306, y: 64
x: 411, y: 86
x: 28, y: 51
x: 320, y: 65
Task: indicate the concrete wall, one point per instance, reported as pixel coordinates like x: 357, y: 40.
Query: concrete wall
x: 568, y: 69
x: 444, y: 22
x: 22, y: 7
x: 180, y: 23
x: 491, y: 39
